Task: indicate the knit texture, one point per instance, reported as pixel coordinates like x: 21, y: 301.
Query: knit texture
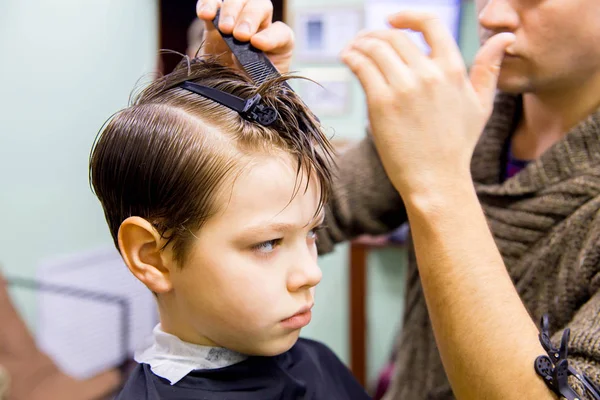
x: 546, y: 224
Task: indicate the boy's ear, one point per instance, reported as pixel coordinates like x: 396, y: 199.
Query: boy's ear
x: 140, y: 245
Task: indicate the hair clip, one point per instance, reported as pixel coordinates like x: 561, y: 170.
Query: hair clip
x: 250, y: 109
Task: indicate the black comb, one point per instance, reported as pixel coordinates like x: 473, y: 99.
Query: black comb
x: 254, y: 61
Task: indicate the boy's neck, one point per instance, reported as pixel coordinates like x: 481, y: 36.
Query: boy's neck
x: 548, y: 117
x: 171, y: 323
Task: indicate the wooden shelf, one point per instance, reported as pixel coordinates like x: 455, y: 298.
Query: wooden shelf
x: 357, y: 302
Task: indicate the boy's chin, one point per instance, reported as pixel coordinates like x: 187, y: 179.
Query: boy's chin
x: 277, y: 346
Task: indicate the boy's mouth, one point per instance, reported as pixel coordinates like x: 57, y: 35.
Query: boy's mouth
x: 300, y: 319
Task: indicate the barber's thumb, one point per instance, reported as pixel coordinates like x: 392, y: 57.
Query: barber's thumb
x: 486, y: 67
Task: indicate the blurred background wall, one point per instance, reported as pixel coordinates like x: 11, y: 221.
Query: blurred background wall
x: 66, y: 66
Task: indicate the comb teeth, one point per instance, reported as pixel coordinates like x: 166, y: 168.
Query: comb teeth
x: 259, y: 71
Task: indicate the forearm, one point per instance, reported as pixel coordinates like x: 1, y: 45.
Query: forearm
x: 486, y: 338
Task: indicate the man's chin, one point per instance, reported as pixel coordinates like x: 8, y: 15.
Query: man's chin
x: 513, y: 85
x: 515, y: 77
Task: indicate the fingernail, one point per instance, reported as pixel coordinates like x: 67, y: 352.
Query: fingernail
x: 243, y: 28
x: 227, y: 22
x: 200, y: 8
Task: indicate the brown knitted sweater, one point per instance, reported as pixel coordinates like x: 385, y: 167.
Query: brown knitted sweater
x: 546, y: 223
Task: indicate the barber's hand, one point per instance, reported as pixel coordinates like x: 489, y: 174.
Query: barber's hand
x: 426, y: 115
x: 248, y: 20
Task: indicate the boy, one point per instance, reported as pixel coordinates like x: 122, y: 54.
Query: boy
x: 216, y: 212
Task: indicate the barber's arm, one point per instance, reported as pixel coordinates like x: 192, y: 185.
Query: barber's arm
x: 487, y: 341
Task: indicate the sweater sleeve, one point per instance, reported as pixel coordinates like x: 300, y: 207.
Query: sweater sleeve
x: 363, y: 200
x: 584, y: 342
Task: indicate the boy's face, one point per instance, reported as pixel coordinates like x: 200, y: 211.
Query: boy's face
x: 253, y: 265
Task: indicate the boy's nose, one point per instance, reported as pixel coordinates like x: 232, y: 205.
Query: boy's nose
x: 305, y: 273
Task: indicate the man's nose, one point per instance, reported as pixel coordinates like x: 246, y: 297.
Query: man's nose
x: 499, y: 16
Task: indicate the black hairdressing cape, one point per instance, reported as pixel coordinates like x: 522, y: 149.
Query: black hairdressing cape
x: 308, y: 371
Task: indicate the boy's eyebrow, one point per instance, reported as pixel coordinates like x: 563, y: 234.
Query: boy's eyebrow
x: 280, y: 227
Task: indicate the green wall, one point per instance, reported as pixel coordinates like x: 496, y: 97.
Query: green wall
x: 67, y: 65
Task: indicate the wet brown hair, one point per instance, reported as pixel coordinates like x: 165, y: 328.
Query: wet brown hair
x: 170, y: 156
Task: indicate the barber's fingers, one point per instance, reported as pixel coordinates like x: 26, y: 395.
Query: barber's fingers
x: 436, y: 34
x: 247, y: 20
x: 381, y: 54
x: 230, y: 11
x: 207, y: 9
x: 486, y: 68
x: 277, y: 37
x: 404, y: 47
x: 255, y: 16
x: 365, y: 70
x: 242, y: 18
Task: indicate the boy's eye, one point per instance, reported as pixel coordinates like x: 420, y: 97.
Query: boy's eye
x: 312, y: 234
x: 267, y: 247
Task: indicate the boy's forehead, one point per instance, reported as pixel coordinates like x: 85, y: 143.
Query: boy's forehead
x: 271, y: 189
